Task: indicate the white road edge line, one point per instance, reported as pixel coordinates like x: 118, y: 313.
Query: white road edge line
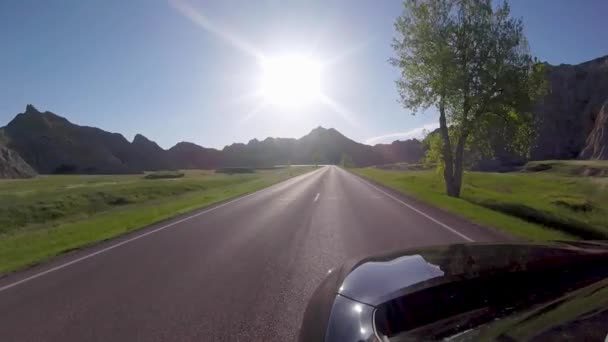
x: 454, y: 231
x: 109, y: 248
x: 317, y: 197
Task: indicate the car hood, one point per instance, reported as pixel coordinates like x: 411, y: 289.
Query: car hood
x: 375, y: 280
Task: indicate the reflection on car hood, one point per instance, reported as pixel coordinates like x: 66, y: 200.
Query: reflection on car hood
x: 369, y: 280
x: 376, y: 279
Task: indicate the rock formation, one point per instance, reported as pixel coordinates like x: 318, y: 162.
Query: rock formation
x: 597, y: 142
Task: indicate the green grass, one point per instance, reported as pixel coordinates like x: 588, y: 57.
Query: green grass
x: 585, y: 302
x: 597, y: 168
x: 49, y: 215
x: 164, y: 175
x: 534, y: 206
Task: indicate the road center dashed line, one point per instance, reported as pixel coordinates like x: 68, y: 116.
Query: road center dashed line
x: 317, y: 197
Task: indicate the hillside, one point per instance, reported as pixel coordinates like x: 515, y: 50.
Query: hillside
x: 570, y: 110
x: 410, y: 151
x: 596, y: 146
x: 186, y: 155
x: 571, y: 119
x: 12, y: 166
x: 52, y: 144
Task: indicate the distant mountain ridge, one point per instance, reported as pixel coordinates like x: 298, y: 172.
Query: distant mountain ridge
x: 52, y: 144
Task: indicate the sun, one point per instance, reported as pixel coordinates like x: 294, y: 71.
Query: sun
x: 290, y: 81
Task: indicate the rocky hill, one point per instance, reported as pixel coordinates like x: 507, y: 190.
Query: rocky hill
x: 150, y: 156
x: 326, y: 145
x: 570, y: 110
x: 597, y: 142
x: 186, y: 155
x: 12, y: 166
x: 52, y: 144
x: 329, y: 145
x: 571, y: 119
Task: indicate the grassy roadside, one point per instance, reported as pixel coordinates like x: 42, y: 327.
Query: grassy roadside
x: 569, y: 167
x: 533, y: 206
x: 47, y: 216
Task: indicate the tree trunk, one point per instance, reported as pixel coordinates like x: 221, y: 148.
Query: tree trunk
x: 459, y: 153
x: 448, y: 171
x: 458, y: 164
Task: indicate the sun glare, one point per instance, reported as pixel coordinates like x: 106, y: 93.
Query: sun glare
x: 290, y: 82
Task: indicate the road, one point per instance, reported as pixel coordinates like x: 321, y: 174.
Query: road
x: 240, y: 271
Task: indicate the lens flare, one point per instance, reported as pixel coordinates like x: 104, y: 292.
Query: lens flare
x: 291, y: 81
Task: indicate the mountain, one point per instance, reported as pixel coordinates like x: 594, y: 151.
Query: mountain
x: 569, y: 111
x: 186, y: 155
x: 52, y: 144
x: 150, y: 156
x: 327, y: 144
x: 270, y: 151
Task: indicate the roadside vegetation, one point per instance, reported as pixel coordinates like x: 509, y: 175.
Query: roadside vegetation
x: 584, y: 168
x: 164, y: 175
x: 48, y: 215
x: 470, y: 60
x: 558, y: 202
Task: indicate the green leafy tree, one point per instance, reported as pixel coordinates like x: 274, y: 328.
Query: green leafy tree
x: 470, y: 61
x: 433, y: 155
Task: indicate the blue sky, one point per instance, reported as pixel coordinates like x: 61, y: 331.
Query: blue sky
x: 144, y: 66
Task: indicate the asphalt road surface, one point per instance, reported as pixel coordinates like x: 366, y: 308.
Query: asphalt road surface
x: 240, y: 271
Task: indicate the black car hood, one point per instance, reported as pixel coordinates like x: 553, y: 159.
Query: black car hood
x: 373, y: 280
x: 377, y: 279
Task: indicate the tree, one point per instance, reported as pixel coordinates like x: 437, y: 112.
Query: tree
x: 471, y: 62
x: 346, y: 161
x: 316, y: 157
x: 433, y: 156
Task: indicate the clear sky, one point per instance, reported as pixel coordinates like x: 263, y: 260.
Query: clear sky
x: 186, y: 70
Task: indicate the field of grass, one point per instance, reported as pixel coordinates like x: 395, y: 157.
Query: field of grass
x: 584, y: 168
x: 48, y: 215
x: 547, y: 205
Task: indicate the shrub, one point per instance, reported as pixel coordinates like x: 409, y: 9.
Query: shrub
x: 538, y: 167
x: 164, y: 175
x: 574, y: 204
